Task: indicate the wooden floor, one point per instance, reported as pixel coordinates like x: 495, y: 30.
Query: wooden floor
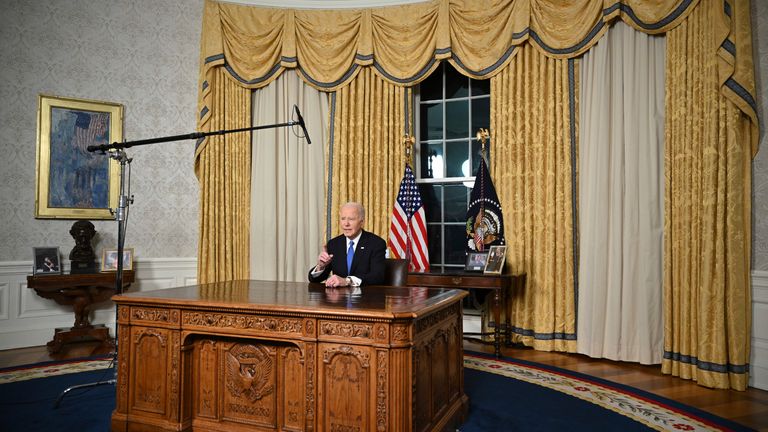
x: 749, y: 408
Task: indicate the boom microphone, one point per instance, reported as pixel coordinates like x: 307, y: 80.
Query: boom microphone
x: 301, y: 123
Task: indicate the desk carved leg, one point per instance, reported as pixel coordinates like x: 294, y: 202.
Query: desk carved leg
x: 497, y: 323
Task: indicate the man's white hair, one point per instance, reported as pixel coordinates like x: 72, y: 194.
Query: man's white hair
x: 358, y: 206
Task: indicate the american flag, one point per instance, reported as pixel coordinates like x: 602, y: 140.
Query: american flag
x: 408, y: 231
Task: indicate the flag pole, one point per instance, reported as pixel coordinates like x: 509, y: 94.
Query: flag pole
x: 482, y: 136
x: 408, y: 141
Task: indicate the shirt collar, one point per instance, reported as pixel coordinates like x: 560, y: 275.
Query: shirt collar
x: 356, y: 239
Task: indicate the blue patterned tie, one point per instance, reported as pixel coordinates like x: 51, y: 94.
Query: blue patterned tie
x: 350, y: 254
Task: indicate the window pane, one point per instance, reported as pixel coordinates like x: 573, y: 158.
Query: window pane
x: 481, y: 87
x: 481, y: 114
x: 456, y: 155
x: 455, y: 241
x: 457, y: 119
x: 435, y: 239
x: 456, y: 198
x: 456, y: 84
x: 431, y: 198
x: 431, y: 121
x: 432, y: 164
x: 432, y: 87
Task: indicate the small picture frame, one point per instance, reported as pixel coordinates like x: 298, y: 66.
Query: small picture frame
x: 47, y: 261
x: 476, y: 261
x: 495, y: 262
x: 109, y: 259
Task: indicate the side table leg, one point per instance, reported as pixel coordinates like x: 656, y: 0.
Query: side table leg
x: 497, y: 323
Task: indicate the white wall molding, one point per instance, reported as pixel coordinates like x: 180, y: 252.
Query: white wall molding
x: 758, y: 363
x: 27, y: 319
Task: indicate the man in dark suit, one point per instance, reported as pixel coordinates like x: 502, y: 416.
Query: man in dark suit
x: 355, y: 258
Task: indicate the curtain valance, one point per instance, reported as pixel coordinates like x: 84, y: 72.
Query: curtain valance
x: 405, y: 43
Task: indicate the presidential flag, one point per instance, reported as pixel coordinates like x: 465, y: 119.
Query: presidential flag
x: 408, y: 230
x: 485, y: 224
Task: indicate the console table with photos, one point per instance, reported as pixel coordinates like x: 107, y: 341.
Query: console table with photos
x: 500, y: 284
x: 291, y: 356
x: 81, y: 291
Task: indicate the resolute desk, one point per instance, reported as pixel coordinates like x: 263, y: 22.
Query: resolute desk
x: 256, y: 355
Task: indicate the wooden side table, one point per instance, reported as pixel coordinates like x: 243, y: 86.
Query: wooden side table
x: 500, y: 284
x: 81, y: 291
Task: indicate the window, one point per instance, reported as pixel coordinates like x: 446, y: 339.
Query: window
x: 451, y: 108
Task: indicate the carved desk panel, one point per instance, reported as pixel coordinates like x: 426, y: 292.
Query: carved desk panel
x: 255, y: 355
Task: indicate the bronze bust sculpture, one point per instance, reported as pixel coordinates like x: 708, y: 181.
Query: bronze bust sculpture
x: 82, y: 256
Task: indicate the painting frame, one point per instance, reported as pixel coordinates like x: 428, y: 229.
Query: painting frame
x: 46, y: 261
x: 109, y: 261
x: 496, y: 257
x: 72, y: 183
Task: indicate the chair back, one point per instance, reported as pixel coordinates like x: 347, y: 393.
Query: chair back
x: 396, y: 272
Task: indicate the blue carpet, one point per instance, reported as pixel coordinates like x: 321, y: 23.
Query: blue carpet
x: 497, y: 403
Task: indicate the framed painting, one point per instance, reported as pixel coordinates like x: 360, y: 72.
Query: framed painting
x: 73, y: 183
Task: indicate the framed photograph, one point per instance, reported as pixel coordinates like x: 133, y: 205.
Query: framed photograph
x: 109, y: 259
x: 73, y: 183
x: 476, y: 261
x: 495, y: 263
x: 46, y: 261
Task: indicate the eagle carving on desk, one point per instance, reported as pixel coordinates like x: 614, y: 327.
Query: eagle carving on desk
x: 249, y: 372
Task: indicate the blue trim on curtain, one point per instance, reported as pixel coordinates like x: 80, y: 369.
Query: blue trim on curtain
x: 706, y: 366
x: 329, y: 199
x: 198, y: 142
x: 331, y: 84
x: 741, y: 92
x: 269, y: 74
x: 490, y: 68
x: 416, y: 77
x: 591, y: 35
x: 659, y: 24
x: 729, y: 46
x: 727, y: 8
x: 574, y: 194
x: 214, y: 57
x: 203, y: 112
x: 543, y: 336
x: 205, y: 84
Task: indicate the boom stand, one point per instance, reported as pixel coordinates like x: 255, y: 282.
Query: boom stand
x: 120, y: 215
x: 117, y: 151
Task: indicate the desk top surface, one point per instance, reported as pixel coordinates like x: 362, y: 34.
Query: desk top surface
x: 299, y: 297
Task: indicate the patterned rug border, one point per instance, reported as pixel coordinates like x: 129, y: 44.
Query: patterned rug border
x: 651, y: 410
x: 53, y: 368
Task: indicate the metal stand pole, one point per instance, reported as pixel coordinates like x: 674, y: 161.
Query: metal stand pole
x: 120, y: 215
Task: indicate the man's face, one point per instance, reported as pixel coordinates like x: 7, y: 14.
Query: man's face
x: 351, y: 222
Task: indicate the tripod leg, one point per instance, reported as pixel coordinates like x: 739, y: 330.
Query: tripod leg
x: 75, y: 387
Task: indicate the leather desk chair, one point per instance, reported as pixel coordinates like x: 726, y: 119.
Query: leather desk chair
x: 396, y: 272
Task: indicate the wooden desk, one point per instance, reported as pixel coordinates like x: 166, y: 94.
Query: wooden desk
x: 81, y: 291
x: 500, y: 284
x: 256, y: 355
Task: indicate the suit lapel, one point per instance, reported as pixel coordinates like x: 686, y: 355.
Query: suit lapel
x: 359, y: 250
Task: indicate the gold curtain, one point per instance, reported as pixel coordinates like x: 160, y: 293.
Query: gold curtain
x: 707, y: 304
x: 532, y: 168
x: 223, y: 167
x: 368, y: 155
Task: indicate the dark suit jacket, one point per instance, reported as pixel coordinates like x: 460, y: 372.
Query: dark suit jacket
x: 367, y: 264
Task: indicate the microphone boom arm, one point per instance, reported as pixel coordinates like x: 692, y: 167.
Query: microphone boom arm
x: 194, y: 135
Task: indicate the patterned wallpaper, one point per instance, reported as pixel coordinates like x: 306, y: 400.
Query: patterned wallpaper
x: 760, y: 163
x: 142, y: 54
